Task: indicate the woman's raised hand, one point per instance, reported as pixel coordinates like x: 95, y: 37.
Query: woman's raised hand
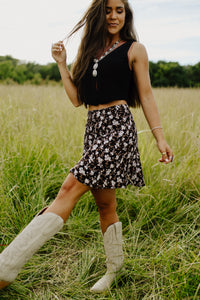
x: 59, y: 52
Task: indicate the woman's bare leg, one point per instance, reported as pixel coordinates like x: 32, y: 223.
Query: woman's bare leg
x: 112, y: 238
x: 39, y: 230
x: 107, y: 204
x: 69, y: 194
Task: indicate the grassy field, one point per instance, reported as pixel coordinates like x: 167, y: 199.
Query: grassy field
x: 41, y: 138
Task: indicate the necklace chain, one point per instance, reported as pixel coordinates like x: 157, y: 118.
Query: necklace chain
x: 96, y: 61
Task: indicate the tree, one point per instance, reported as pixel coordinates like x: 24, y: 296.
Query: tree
x: 194, y: 75
x: 6, y: 69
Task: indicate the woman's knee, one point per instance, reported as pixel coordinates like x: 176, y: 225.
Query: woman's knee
x: 72, y: 187
x: 107, y: 208
x: 105, y: 201
x: 68, y: 185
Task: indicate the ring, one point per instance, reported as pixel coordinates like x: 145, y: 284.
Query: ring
x: 164, y: 153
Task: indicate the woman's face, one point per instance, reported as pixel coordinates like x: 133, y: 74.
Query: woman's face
x: 115, y: 17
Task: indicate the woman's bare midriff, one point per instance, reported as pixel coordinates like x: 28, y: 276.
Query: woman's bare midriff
x: 102, y: 106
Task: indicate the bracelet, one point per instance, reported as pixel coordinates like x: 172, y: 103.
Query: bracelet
x: 157, y: 127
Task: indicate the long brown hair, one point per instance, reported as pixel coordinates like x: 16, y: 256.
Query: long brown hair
x: 95, y: 38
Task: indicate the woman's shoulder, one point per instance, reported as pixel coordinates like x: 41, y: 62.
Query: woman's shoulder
x: 137, y: 47
x: 137, y: 51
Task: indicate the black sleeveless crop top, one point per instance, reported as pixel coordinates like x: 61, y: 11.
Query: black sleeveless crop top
x: 113, y: 81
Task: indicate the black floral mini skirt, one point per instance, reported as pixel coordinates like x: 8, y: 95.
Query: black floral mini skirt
x: 110, y: 158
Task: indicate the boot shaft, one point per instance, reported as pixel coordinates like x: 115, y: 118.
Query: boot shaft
x: 21, y: 249
x: 113, y: 247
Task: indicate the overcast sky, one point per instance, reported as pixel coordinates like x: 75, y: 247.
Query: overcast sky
x: 170, y: 29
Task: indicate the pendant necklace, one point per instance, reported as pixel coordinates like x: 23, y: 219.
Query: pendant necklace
x: 96, y: 61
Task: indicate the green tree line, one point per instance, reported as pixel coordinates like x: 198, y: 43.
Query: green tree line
x: 163, y: 74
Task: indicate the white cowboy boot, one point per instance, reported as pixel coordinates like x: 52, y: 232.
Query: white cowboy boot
x: 21, y: 249
x: 113, y: 248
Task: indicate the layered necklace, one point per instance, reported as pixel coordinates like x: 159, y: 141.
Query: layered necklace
x: 96, y: 61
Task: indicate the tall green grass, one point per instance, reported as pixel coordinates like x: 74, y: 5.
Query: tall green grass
x: 41, y: 138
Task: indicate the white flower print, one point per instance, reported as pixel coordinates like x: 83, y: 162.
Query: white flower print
x: 81, y: 171
x: 121, y: 133
x: 107, y: 157
x: 108, y: 172
x: 100, y: 160
x: 115, y: 123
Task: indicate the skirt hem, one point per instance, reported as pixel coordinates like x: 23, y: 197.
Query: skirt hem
x: 122, y: 186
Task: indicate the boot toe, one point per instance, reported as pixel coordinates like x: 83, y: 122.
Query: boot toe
x: 102, y: 284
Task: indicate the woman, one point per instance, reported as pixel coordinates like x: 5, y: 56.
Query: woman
x: 109, y: 74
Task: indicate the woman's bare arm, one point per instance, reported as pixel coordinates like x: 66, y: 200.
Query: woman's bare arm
x: 60, y: 56
x: 139, y: 60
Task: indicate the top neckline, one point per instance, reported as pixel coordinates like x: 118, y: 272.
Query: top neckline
x: 124, y: 43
